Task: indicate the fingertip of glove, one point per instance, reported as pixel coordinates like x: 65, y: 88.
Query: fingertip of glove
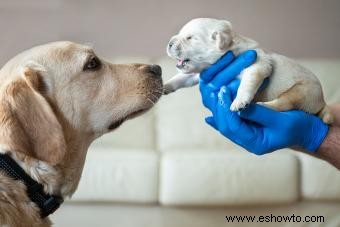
x: 228, y: 56
x: 249, y: 56
x: 207, y: 74
x: 204, y: 76
x: 210, y: 121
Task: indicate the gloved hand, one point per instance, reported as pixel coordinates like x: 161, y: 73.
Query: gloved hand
x: 258, y: 129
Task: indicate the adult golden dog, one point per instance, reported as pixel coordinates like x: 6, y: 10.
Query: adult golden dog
x: 55, y: 99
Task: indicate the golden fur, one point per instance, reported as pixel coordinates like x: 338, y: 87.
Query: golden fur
x: 51, y: 109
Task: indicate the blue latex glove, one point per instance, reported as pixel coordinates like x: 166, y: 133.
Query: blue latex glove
x: 257, y: 129
x: 226, y: 69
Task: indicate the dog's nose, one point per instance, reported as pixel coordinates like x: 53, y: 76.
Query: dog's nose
x: 172, y: 42
x: 155, y: 69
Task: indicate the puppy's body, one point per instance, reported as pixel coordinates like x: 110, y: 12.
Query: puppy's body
x: 55, y: 100
x: 202, y: 41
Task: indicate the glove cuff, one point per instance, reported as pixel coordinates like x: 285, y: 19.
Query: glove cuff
x: 318, y: 133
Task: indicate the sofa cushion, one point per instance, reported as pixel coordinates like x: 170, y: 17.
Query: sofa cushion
x: 119, y: 175
x: 180, y: 119
x: 319, y: 179
x: 227, y: 178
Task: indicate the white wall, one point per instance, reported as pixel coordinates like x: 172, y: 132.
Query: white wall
x: 303, y: 28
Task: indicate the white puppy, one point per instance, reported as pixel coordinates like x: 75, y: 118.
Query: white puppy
x: 202, y: 41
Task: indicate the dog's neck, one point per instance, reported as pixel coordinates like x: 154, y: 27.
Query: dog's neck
x: 58, y: 179
x: 72, y: 166
x: 61, y: 179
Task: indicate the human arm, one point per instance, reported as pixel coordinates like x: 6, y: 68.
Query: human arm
x: 335, y: 109
x: 330, y: 147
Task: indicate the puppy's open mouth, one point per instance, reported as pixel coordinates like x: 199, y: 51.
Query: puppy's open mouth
x: 119, y: 122
x: 181, y: 63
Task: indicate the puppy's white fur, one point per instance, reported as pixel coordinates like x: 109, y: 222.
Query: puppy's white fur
x: 202, y: 41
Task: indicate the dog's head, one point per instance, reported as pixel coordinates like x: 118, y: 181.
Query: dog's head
x: 64, y: 87
x: 200, y: 43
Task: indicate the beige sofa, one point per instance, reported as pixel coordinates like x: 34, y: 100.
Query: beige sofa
x: 168, y: 168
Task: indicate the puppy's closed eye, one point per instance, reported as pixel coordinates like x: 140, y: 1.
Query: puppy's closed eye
x: 92, y: 64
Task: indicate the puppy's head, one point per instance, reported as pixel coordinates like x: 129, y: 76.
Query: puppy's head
x: 62, y: 88
x: 200, y: 43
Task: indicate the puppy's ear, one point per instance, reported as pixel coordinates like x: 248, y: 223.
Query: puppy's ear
x: 32, y: 119
x: 223, y: 35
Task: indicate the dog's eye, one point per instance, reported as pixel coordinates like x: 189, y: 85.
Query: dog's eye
x: 189, y: 37
x: 92, y: 64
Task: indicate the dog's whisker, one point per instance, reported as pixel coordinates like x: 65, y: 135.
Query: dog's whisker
x: 158, y: 92
x: 149, y: 99
x: 153, y: 95
x: 152, y: 102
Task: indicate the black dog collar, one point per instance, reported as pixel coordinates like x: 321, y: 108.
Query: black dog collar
x: 47, y: 203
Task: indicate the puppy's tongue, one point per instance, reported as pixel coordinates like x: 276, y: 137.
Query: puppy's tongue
x: 180, y: 62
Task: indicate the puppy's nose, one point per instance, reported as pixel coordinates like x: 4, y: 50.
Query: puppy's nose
x: 171, y: 43
x: 155, y: 70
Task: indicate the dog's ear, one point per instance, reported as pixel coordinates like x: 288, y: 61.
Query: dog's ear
x: 31, y: 123
x: 223, y: 35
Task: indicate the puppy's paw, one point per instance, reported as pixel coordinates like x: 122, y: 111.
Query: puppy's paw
x: 238, y: 105
x: 240, y: 102
x: 168, y: 88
